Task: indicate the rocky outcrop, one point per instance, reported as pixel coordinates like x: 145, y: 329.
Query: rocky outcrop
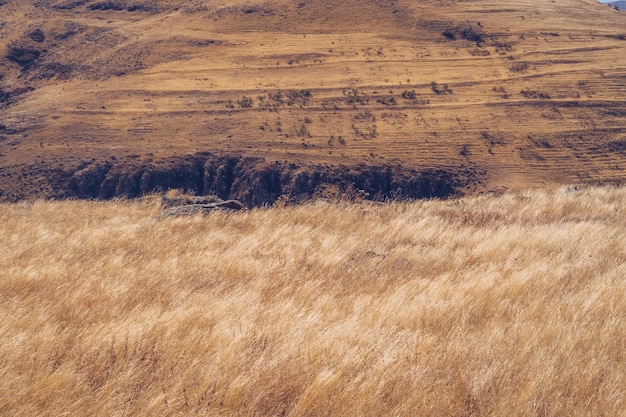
x: 185, y: 205
x: 252, y: 181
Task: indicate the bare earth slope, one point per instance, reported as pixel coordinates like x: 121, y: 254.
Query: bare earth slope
x: 255, y: 100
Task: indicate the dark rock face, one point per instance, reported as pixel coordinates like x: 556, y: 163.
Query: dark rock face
x: 252, y: 181
x: 87, y: 182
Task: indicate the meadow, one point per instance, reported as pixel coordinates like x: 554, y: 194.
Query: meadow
x: 509, y: 305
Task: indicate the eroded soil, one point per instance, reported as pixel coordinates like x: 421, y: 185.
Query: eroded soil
x: 258, y: 100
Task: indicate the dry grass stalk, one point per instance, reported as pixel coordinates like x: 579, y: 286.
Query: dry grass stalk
x: 511, y: 305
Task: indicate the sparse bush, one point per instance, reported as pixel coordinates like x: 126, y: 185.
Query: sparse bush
x: 449, y: 34
x: 502, y: 91
x: 532, y: 94
x: 365, y: 115
x: 277, y: 96
x: 492, y: 139
x: 519, y: 67
x: 387, y: 100
x: 479, y: 52
x: 472, y: 34
x: 440, y: 89
x: 251, y: 9
x: 368, y: 132
x: 468, y: 32
x: 301, y: 96
x: 409, y: 95
x: 245, y: 102
x: 354, y: 97
x: 303, y: 132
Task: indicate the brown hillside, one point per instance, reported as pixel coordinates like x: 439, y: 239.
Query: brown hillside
x: 257, y: 99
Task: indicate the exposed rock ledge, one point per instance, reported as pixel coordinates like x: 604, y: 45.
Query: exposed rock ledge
x: 185, y: 205
x: 252, y: 181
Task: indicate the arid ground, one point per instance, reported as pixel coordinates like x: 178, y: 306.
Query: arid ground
x: 507, y: 301
x: 258, y: 100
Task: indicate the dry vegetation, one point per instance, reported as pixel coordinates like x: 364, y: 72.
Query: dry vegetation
x: 505, y: 306
x: 527, y: 94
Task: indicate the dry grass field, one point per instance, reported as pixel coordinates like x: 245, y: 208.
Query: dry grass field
x: 485, y: 306
x: 507, y: 302
x: 522, y: 94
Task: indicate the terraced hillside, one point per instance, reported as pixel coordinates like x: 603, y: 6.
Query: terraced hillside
x: 255, y: 100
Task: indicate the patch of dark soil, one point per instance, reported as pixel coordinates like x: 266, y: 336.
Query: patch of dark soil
x: 618, y: 146
x: 252, y: 181
x: 37, y: 35
x: 69, y: 5
x: 23, y: 56
x: 138, y: 7
x: 59, y: 70
x: 108, y: 5
x: 6, y: 96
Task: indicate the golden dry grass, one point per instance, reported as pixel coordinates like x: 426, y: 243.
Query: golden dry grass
x: 501, y: 306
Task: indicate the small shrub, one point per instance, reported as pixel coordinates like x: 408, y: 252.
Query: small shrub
x: 472, y: 34
x: 387, y: 100
x: 409, y: 95
x: 303, y: 132
x: 245, y: 102
x: 532, y: 94
x: 468, y: 32
x: 354, y: 97
x: 250, y: 9
x: 519, y: 67
x: 440, y: 89
x: 302, y: 96
x: 449, y: 34
x: 502, y: 91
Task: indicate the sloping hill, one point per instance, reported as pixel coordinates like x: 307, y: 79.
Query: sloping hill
x: 255, y: 100
x: 621, y: 4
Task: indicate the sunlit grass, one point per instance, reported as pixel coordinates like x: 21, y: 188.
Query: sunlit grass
x: 507, y: 306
